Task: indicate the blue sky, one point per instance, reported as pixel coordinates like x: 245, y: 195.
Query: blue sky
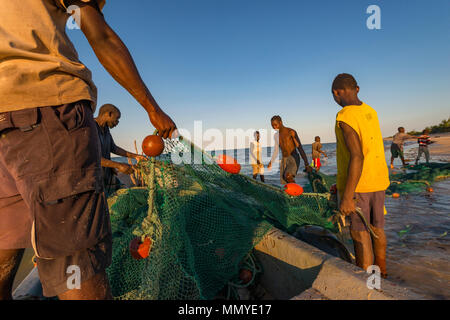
x: 236, y: 63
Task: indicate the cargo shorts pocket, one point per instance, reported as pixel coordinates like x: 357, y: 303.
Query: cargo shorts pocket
x: 70, y: 218
x: 25, y: 144
x: 72, y: 116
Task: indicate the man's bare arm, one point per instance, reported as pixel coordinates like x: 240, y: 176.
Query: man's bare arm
x: 115, y: 57
x: 276, y: 149
x: 122, y: 167
x: 354, y: 168
x: 299, y: 147
x: 122, y: 152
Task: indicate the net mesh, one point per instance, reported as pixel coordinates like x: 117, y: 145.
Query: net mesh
x: 204, y: 222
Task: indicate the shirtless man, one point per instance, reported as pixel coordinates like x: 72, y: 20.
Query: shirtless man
x: 289, y: 142
x: 316, y: 151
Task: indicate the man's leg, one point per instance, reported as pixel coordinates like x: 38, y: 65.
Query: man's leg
x: 262, y: 177
x: 419, y: 154
x: 379, y: 250
x: 362, y: 240
x: 9, y: 264
x: 363, y: 248
x: 96, y: 288
x: 403, y: 160
x: 254, y: 176
x: 427, y: 154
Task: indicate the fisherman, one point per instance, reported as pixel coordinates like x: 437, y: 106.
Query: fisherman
x: 108, y: 118
x: 397, y: 145
x: 287, y: 139
x: 256, y: 158
x: 423, y: 141
x: 316, y: 152
x: 51, y: 191
x: 362, y: 174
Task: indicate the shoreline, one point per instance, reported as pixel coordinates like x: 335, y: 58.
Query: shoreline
x: 440, y: 148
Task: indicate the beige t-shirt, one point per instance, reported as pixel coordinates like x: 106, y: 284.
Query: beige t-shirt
x: 39, y: 65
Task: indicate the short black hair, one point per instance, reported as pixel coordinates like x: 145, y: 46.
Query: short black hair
x: 278, y: 118
x: 316, y: 137
x: 400, y: 128
x: 344, y: 81
x: 107, y: 108
x: 257, y: 131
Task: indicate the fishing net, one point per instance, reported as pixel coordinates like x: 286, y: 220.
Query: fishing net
x: 412, y: 179
x: 416, y: 178
x: 203, y: 222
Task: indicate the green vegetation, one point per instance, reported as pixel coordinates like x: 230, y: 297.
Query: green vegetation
x: 444, y: 126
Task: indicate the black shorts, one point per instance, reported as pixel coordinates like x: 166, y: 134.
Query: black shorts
x: 51, y: 195
x: 396, y: 151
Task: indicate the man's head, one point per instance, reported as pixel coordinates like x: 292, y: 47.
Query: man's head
x: 109, y: 115
x: 426, y: 131
x: 257, y: 135
x: 276, y: 122
x: 344, y: 89
x: 401, y: 130
x: 317, y: 139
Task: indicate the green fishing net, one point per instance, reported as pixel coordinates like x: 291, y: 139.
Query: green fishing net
x: 416, y: 178
x: 203, y: 222
x: 408, y: 180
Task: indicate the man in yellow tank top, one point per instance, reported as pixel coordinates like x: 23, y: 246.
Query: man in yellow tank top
x: 362, y: 176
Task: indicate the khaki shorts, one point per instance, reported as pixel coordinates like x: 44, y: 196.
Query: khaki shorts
x: 51, y: 195
x: 258, y: 169
x: 372, y: 206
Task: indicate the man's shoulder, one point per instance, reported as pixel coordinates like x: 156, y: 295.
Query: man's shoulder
x: 291, y: 131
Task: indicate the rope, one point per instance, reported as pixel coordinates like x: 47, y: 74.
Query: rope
x: 340, y: 216
x: 250, y: 264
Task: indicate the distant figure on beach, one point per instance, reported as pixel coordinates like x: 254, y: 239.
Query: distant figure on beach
x: 362, y: 174
x: 424, y: 140
x: 52, y: 197
x: 397, y: 145
x: 108, y: 118
x: 256, y: 157
x: 289, y: 142
x: 316, y: 151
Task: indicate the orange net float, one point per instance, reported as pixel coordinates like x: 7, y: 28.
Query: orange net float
x: 228, y: 164
x: 140, y: 250
x: 333, y: 189
x: 430, y: 189
x: 245, y: 276
x: 153, y: 145
x: 293, y: 189
x: 395, y: 195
